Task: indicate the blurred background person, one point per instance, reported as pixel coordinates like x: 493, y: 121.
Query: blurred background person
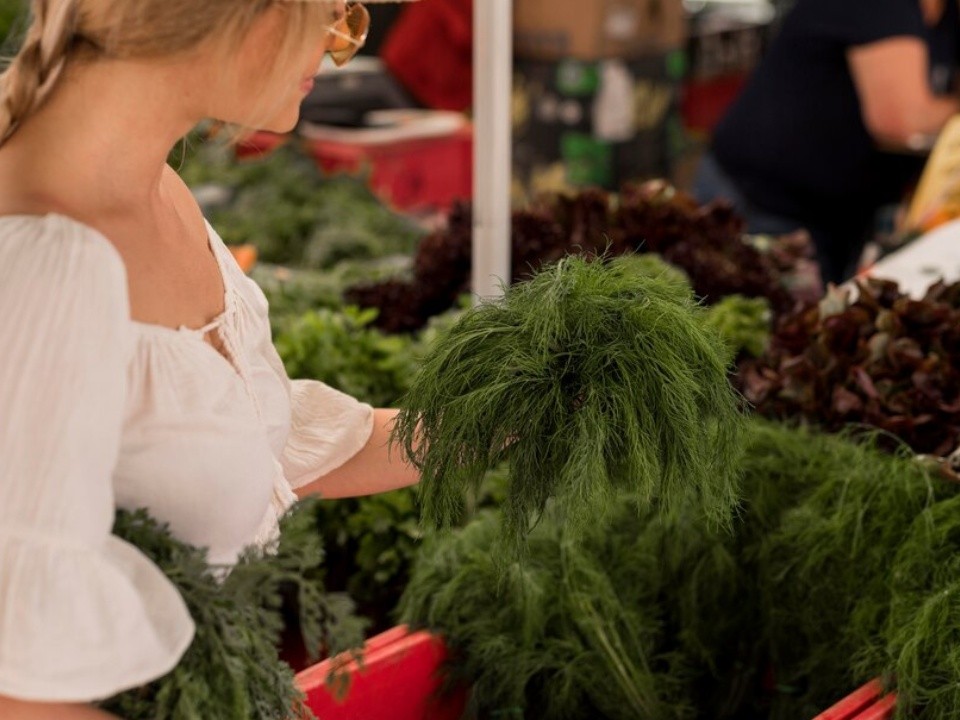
x: 833, y: 123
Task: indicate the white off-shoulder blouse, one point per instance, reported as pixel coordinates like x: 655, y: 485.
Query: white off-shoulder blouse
x: 99, y: 412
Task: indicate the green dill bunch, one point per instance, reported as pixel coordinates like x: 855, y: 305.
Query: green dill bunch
x: 827, y: 570
x: 591, y: 378
x: 557, y: 636
x: 921, y: 652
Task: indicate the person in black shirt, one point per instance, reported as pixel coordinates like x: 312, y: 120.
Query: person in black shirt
x: 822, y: 134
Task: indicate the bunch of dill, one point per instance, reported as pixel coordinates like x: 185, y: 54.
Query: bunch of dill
x: 842, y: 566
x: 592, y: 378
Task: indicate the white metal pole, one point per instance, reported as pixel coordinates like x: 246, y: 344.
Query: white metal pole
x: 492, y: 155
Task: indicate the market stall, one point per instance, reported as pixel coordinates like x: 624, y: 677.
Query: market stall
x: 664, y: 472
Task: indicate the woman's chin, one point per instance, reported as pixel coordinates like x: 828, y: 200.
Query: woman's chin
x: 282, y: 125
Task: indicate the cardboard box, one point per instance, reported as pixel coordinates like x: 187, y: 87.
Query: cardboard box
x: 577, y: 29
x: 595, y: 123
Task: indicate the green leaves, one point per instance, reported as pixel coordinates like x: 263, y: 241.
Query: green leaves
x: 589, y: 379
x: 842, y: 567
x: 294, y: 215
x: 231, y: 670
x: 743, y: 322
x: 341, y: 349
x: 559, y: 636
x: 13, y: 18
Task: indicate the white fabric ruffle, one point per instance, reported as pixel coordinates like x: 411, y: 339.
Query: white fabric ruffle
x: 80, y: 624
x: 327, y: 429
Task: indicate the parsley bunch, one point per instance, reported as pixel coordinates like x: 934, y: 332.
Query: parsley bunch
x: 232, y: 669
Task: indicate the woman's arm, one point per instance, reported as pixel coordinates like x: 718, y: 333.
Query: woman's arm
x: 896, y: 101
x: 11, y: 709
x: 376, y: 468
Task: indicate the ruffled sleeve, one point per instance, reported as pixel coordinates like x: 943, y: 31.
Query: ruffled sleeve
x: 327, y: 428
x: 83, y: 615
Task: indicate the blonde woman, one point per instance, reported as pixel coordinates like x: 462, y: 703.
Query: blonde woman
x: 136, y: 364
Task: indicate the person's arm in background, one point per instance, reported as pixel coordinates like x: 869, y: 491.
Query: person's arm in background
x: 11, y: 709
x: 897, y: 103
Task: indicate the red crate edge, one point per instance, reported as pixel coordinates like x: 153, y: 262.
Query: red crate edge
x: 866, y: 703
x: 398, y: 679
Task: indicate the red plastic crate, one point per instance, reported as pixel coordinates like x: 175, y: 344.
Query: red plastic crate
x: 399, y: 680
x: 867, y: 703
x: 415, y: 174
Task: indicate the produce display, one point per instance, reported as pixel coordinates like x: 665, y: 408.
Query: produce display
x: 339, y: 348
x: 232, y: 670
x: 832, y: 562
x: 873, y: 357
x: 623, y: 537
x: 289, y: 211
x: 373, y: 541
x: 841, y: 567
x: 706, y: 242
x: 589, y: 378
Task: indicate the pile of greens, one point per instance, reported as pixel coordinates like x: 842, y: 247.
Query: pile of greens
x: 592, y: 377
x: 294, y: 215
x: 370, y: 542
x: 706, y: 242
x: 341, y: 349
x: 876, y: 358
x: 842, y: 567
x: 232, y: 669
x: 373, y: 541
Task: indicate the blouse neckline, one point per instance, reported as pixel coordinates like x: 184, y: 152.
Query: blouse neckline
x: 183, y: 331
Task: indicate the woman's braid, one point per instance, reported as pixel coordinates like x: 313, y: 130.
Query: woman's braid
x: 34, y: 71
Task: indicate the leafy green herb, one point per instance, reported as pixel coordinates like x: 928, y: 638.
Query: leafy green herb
x: 558, y: 636
x: 13, y: 17
x: 589, y: 378
x: 341, y: 349
x: 231, y: 669
x: 841, y: 567
x: 919, y: 650
x: 372, y: 543
x: 294, y: 215
x: 743, y: 322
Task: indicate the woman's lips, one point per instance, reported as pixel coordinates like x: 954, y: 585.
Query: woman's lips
x: 306, y: 85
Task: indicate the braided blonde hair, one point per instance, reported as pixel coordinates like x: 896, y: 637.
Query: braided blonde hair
x: 62, y: 30
x: 38, y: 65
